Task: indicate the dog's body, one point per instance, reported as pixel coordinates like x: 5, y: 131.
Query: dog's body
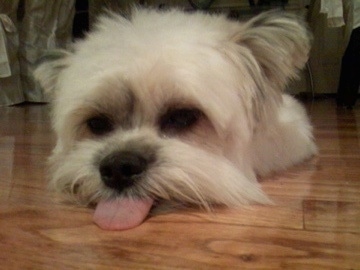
x: 174, y: 107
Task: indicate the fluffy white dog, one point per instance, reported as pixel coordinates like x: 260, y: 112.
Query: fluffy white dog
x: 167, y: 107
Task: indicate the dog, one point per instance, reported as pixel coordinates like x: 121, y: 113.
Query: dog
x: 173, y: 108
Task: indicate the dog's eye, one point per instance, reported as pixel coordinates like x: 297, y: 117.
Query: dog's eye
x: 99, y: 125
x: 177, y: 120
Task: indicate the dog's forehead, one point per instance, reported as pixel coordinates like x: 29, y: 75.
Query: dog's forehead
x: 144, y: 88
x: 177, y: 65
x: 146, y: 94
x: 150, y: 37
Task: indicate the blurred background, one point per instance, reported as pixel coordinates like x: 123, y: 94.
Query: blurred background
x: 29, y: 27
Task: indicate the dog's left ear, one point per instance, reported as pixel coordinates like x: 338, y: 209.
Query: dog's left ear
x: 278, y: 43
x: 48, y: 68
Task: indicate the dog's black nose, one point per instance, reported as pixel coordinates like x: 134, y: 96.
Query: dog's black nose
x: 121, y: 169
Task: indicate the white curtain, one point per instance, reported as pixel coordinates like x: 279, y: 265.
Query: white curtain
x: 27, y: 29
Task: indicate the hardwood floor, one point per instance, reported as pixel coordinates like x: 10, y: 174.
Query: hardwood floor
x: 314, y: 225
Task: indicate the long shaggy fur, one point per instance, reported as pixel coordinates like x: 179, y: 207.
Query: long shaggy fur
x: 134, y: 69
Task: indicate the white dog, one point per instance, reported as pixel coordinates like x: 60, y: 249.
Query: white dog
x: 167, y: 107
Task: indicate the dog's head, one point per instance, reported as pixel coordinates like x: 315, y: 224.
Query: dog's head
x: 161, y: 107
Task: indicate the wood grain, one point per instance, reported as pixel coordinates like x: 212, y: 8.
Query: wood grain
x: 314, y: 223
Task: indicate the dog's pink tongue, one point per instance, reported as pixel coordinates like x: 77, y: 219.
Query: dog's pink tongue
x: 121, y: 214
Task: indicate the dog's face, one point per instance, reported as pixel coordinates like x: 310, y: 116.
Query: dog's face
x: 161, y: 108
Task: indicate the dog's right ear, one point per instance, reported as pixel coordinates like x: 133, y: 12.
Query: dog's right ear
x: 48, y: 68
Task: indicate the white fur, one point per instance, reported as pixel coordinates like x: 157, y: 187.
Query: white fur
x: 233, y: 72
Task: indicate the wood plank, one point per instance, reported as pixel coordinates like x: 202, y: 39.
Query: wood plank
x: 166, y: 245
x: 286, y: 213
x: 332, y: 216
x: 308, y: 191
